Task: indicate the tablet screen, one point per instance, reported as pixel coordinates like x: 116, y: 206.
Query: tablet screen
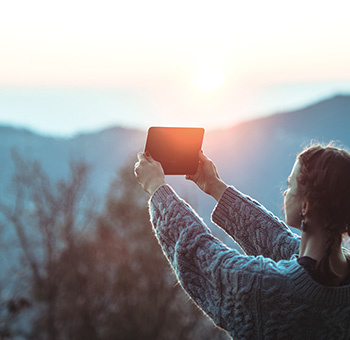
x: 176, y: 148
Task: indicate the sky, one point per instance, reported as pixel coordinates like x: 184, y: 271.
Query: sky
x: 70, y: 66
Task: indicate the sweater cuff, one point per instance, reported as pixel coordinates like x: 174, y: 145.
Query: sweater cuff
x: 161, y: 194
x: 221, y: 210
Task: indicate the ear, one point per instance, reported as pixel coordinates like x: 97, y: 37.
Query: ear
x: 305, y: 207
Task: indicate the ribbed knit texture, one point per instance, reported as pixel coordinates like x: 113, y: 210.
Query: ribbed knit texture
x: 264, y: 294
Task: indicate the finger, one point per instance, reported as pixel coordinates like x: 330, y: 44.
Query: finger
x: 207, y: 162
x: 145, y: 156
x: 202, y: 157
x: 140, y: 156
x: 148, y: 156
x: 136, y: 168
x: 189, y: 177
x: 194, y: 177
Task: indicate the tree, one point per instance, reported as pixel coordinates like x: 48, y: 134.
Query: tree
x: 96, y: 276
x: 122, y: 286
x: 45, y: 217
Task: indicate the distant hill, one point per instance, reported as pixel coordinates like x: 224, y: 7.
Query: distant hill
x: 105, y: 151
x: 256, y: 156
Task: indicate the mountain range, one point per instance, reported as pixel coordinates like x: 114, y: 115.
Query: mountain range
x: 255, y: 156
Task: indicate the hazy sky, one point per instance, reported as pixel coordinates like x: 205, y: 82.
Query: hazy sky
x: 74, y: 65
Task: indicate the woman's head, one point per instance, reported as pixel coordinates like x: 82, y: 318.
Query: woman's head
x: 324, y: 181
x: 319, y: 193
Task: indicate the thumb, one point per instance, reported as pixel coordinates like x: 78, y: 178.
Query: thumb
x: 140, y: 156
x: 145, y: 156
x: 148, y: 156
x: 202, y: 157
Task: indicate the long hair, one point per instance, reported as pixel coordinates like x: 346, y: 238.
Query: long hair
x: 324, y: 179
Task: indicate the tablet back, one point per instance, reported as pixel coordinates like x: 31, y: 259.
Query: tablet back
x: 176, y: 148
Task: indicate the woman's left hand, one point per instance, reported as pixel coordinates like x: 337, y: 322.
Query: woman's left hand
x: 149, y: 172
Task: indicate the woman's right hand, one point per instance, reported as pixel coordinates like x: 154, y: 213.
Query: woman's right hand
x: 207, y: 178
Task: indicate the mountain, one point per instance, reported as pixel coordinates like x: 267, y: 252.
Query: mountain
x: 105, y: 151
x: 255, y: 156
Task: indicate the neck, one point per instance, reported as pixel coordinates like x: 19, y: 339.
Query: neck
x: 314, y: 244
x: 313, y: 241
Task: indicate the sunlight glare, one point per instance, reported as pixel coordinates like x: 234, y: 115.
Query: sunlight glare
x: 209, y: 77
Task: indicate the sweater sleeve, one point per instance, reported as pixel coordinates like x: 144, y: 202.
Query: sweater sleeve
x: 254, y: 228
x: 219, y: 279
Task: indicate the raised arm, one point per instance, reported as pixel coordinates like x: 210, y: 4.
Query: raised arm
x: 222, y: 282
x: 253, y: 227
x: 207, y: 269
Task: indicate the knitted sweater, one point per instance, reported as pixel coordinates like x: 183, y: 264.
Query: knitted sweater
x: 264, y: 294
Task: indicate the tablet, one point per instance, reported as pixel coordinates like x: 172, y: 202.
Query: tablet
x: 176, y: 148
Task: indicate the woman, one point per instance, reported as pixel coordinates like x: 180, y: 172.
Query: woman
x: 284, y: 286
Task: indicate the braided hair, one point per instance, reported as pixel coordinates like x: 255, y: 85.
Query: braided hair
x: 324, y: 179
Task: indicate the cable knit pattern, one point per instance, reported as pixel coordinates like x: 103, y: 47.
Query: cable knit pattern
x: 263, y: 295
x: 255, y: 229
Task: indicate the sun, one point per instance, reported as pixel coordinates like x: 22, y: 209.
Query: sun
x: 209, y: 77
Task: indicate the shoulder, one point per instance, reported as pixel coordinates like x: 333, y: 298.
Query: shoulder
x: 263, y: 269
